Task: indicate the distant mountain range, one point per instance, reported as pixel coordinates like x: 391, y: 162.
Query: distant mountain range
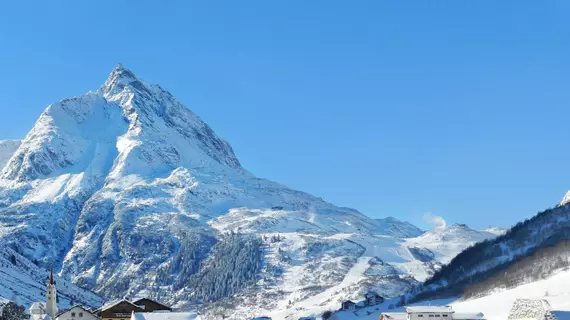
x: 128, y: 192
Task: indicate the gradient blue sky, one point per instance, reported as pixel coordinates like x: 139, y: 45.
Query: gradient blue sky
x: 396, y: 108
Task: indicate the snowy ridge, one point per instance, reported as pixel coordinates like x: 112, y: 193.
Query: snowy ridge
x: 129, y: 192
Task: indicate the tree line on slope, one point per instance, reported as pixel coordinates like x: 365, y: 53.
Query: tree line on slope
x: 537, y: 266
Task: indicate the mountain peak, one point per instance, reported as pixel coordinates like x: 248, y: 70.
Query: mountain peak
x: 119, y: 78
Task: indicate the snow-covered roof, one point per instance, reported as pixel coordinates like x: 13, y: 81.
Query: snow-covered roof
x: 468, y: 316
x: 395, y: 315
x: 113, y: 303
x: 38, y: 306
x: 428, y: 309
x: 165, y: 316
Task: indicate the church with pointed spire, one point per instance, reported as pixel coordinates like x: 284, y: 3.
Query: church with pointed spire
x: 46, y: 310
x: 51, y: 297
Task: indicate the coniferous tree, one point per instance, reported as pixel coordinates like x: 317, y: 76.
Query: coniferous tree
x: 12, y: 311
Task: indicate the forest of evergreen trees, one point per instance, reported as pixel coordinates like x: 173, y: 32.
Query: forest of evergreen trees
x: 234, y: 263
x: 12, y: 311
x: 537, y: 266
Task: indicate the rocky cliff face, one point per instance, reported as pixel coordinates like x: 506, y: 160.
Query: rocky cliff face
x: 129, y: 192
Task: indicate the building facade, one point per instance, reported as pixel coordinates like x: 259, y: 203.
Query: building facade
x: 429, y: 313
x: 76, y: 313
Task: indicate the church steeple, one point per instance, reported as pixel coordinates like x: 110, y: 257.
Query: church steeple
x: 51, y: 297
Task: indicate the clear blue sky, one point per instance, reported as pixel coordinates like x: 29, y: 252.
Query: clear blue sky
x: 396, y: 108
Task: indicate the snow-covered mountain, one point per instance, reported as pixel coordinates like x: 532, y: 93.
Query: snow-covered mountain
x: 128, y: 192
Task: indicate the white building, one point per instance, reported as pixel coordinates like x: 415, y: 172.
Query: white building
x: 429, y: 313
x: 76, y: 313
x: 165, y: 316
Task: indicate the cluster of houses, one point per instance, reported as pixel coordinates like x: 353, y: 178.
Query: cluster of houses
x: 147, y: 309
x: 121, y: 309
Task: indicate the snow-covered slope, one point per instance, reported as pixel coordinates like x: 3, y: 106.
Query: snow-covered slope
x: 7, y: 149
x: 129, y: 192
x: 24, y: 283
x: 398, y: 228
x: 495, y: 306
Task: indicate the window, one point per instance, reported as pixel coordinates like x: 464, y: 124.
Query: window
x: 73, y: 314
x: 81, y: 314
x: 420, y: 315
x: 431, y: 315
x: 445, y: 315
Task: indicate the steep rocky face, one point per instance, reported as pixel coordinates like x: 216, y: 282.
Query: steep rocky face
x: 129, y: 192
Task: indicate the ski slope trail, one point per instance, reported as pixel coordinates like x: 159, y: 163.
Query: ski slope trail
x: 328, y: 299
